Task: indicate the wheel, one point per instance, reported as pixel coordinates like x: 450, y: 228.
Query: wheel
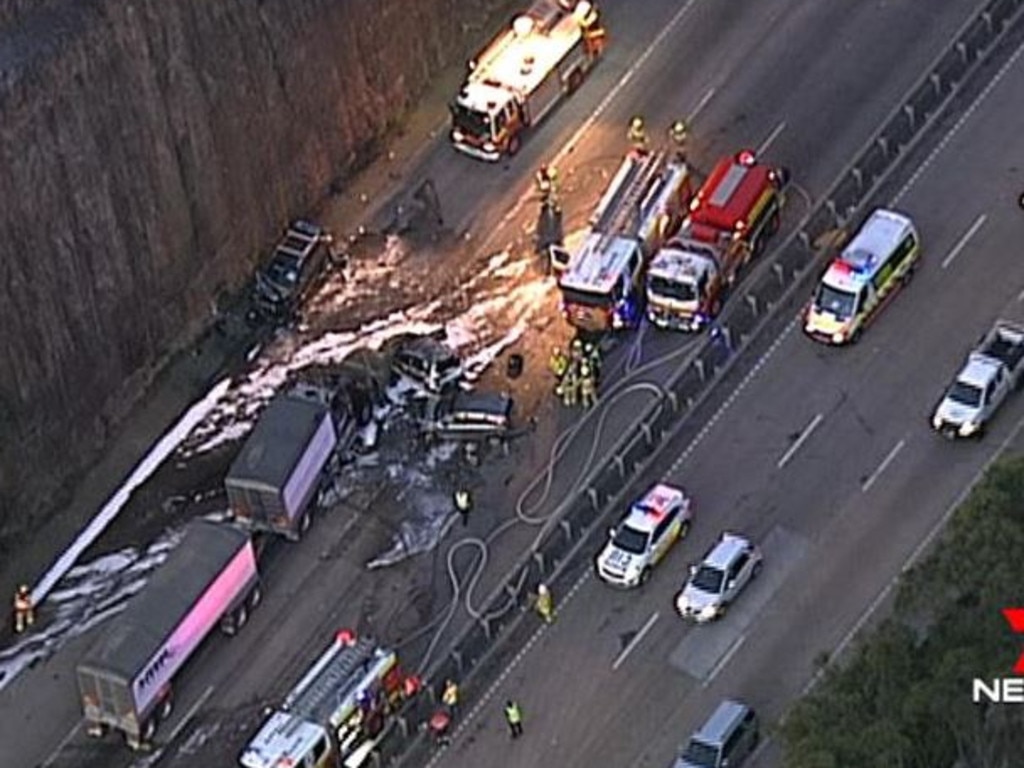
x: 148, y: 730
x: 305, y: 522
x: 756, y: 571
x: 1020, y: 200
x: 773, y: 224
x: 513, y: 146
x: 645, y: 575
x: 684, y: 529
x: 575, y: 81
x: 255, y: 597
x: 166, y: 708
x: 908, y: 276
x: 241, y: 616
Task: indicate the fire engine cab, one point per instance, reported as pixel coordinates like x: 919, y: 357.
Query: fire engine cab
x: 731, y: 218
x: 523, y: 74
x: 602, y: 282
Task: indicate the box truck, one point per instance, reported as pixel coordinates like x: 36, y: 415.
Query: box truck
x: 125, y: 679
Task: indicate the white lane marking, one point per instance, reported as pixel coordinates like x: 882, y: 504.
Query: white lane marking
x: 704, y: 101
x: 189, y: 715
x: 63, y: 743
x: 800, y: 441
x: 882, y: 467
x: 978, y: 222
x: 771, y: 138
x: 958, y: 125
x: 724, y: 660
x: 636, y: 640
x: 909, y: 563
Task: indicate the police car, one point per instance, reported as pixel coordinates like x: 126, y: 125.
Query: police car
x: 644, y: 535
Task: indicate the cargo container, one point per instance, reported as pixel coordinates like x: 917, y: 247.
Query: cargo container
x: 274, y: 482
x: 124, y: 680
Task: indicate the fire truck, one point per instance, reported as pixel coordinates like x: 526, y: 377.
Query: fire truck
x: 602, y: 283
x: 731, y: 218
x: 337, y: 713
x: 543, y: 56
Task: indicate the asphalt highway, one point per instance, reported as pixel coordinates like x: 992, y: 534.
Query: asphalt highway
x: 805, y: 81
x: 826, y: 459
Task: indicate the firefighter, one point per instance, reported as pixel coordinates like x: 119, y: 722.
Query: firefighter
x: 678, y: 133
x: 440, y: 725
x: 588, y: 388
x: 559, y: 362
x: 545, y: 604
x: 593, y: 357
x: 576, y: 355
x: 24, y: 611
x: 463, y: 505
x: 637, y: 134
x: 450, y: 696
x: 547, y: 186
x: 594, y: 36
x: 569, y: 387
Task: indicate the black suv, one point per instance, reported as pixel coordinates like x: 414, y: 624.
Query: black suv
x: 293, y: 271
x: 470, y: 416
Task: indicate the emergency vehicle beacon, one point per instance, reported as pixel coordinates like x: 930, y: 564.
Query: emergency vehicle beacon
x: 644, y: 536
x: 732, y: 216
x: 602, y: 282
x: 878, y: 261
x: 543, y: 56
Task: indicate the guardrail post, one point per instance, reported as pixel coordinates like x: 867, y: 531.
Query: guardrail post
x: 780, y: 272
x: 858, y: 176
x: 594, y: 500
x: 961, y: 48
x: 908, y: 110
x: 538, y: 558
x: 621, y: 466
x: 566, y: 529
x: 645, y: 429
x: 673, y: 400
x: 459, y: 662
x: 751, y: 299
x: 804, y: 238
x: 699, y: 365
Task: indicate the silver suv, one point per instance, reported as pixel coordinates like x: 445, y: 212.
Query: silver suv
x: 725, y: 570
x: 726, y: 740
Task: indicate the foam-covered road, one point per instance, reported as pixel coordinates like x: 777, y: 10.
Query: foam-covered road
x: 807, y: 80
x: 827, y: 460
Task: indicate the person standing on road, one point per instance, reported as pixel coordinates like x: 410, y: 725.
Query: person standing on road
x: 570, y: 388
x: 545, y: 604
x: 559, y: 364
x: 450, y: 696
x: 588, y: 389
x: 593, y: 357
x: 463, y: 505
x: 24, y: 610
x: 514, y: 718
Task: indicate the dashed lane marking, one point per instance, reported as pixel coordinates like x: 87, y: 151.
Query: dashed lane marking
x: 962, y: 242
x: 883, y: 466
x: 636, y: 640
x: 808, y: 431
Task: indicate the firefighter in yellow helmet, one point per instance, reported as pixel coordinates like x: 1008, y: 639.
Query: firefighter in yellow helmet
x: 678, y: 133
x: 637, y: 134
x: 589, y: 19
x: 588, y: 387
x: 547, y: 185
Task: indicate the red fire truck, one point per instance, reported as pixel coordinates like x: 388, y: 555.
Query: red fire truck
x: 734, y: 212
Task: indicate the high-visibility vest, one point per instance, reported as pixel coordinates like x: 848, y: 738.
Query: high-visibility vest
x: 462, y: 500
x: 513, y: 714
x: 450, y: 697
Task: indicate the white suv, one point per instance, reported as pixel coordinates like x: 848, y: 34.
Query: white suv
x: 645, y: 534
x: 726, y: 569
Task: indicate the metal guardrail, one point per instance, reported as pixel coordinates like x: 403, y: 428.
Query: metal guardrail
x: 605, y: 489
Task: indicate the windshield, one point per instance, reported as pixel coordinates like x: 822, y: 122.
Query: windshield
x: 699, y: 753
x: 283, y: 271
x: 672, y: 289
x: 839, y: 303
x: 586, y: 298
x: 965, y: 394
x: 468, y: 121
x: 630, y: 540
x: 708, y: 579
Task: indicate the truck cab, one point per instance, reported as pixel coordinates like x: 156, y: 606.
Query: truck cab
x: 603, y: 289
x: 685, y: 286
x: 991, y: 372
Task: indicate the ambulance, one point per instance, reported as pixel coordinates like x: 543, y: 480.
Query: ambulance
x: 730, y: 220
x: 879, y: 260
x: 601, y: 283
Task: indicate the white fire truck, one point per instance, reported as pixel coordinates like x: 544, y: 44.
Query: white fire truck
x: 731, y: 218
x: 336, y: 715
x: 523, y: 74
x: 602, y: 282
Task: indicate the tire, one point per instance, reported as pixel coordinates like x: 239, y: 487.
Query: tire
x: 773, y: 224
x: 305, y: 522
x: 166, y: 708
x: 684, y: 529
x: 255, y: 597
x: 645, y: 575
x: 512, y: 148
x: 574, y: 81
x: 241, y: 616
x: 148, y: 731
x: 756, y: 571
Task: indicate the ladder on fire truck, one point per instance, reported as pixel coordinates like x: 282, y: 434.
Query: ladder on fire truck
x: 328, y: 676
x: 622, y: 215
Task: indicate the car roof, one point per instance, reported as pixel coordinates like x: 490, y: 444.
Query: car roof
x: 481, y: 401
x: 649, y: 510
x: 726, y: 550
x: 723, y: 720
x: 978, y: 372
